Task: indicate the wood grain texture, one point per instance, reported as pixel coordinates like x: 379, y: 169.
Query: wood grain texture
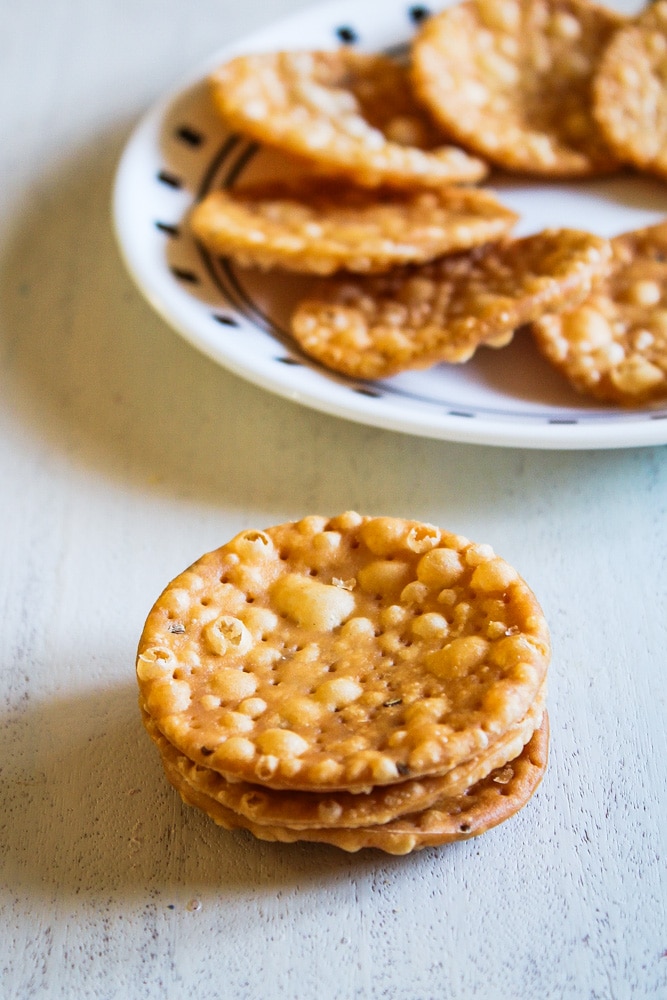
x: 125, y: 456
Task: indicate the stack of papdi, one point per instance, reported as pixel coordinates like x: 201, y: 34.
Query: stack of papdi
x: 356, y: 681
x: 417, y: 267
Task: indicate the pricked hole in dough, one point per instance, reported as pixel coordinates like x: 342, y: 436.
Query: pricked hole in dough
x: 205, y: 601
x: 250, y: 599
x: 284, y: 555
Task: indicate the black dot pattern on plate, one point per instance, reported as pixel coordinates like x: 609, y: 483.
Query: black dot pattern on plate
x: 418, y: 14
x: 347, y: 35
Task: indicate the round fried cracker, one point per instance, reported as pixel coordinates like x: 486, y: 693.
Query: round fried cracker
x: 349, y: 113
x: 373, y: 327
x: 614, y: 345
x: 320, y: 226
x: 346, y: 810
x: 511, y: 81
x: 630, y: 93
x: 483, y: 806
x: 341, y: 653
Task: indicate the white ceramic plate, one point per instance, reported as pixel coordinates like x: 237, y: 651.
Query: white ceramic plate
x: 502, y: 397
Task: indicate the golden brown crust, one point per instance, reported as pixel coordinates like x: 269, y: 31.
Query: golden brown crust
x: 614, y: 345
x: 320, y: 226
x: 511, y: 81
x: 348, y: 113
x: 347, y: 810
x: 342, y: 653
x: 373, y: 327
x: 483, y: 806
x: 629, y: 94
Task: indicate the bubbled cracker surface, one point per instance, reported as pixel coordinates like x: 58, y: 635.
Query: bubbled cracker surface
x: 319, y: 226
x: 511, y: 80
x: 348, y: 112
x: 614, y: 345
x: 341, y: 653
x: 346, y: 810
x: 630, y: 99
x: 486, y: 804
x: 373, y: 327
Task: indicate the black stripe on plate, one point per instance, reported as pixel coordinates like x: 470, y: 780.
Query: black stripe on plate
x: 183, y: 275
x: 189, y: 135
x: 166, y: 227
x: 459, y: 413
x: 170, y: 179
x: 225, y: 320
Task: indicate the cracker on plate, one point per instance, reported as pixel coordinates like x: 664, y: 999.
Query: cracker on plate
x: 630, y: 91
x: 321, y: 226
x: 373, y: 327
x: 614, y: 345
x: 511, y: 81
x: 345, y: 112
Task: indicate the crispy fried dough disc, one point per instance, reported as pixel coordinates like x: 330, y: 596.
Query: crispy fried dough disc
x: 614, y: 345
x: 630, y: 91
x: 346, y: 810
x: 342, y: 653
x: 486, y: 804
x: 349, y: 113
x: 321, y: 226
x: 373, y: 327
x: 511, y: 81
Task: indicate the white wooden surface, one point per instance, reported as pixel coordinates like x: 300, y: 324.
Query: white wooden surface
x: 124, y: 456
